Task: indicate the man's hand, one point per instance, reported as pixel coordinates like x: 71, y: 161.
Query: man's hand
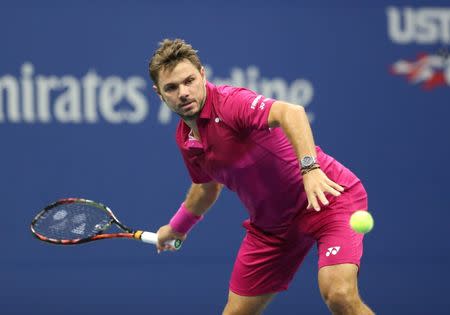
x: 166, y: 233
x: 316, y: 185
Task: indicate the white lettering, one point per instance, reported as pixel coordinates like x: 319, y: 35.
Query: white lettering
x: 252, y: 77
x: 68, y: 99
x: 275, y: 88
x: 255, y: 101
x: 68, y: 104
x: 44, y: 87
x: 164, y: 114
x: 421, y: 26
x: 427, y: 30
x: 237, y: 77
x: 301, y: 92
x: 9, y: 84
x: 111, y: 93
x: 398, y: 35
x: 91, y: 98
x: 90, y: 83
x: 27, y: 92
x: 137, y: 100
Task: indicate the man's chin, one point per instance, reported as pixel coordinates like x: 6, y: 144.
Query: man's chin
x: 188, y: 117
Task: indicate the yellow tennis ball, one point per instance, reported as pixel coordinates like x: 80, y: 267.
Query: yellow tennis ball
x: 361, y: 221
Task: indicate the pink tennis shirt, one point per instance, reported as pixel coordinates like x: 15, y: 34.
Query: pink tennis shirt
x: 239, y: 150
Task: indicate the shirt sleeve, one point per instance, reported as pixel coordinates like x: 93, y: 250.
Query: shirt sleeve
x: 245, y: 109
x: 198, y: 176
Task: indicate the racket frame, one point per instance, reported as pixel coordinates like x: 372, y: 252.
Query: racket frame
x: 147, y: 237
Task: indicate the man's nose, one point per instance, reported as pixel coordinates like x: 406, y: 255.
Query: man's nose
x: 184, y: 91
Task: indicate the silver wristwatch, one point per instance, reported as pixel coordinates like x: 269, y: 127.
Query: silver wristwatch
x: 307, y: 161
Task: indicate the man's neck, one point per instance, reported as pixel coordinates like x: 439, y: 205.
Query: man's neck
x: 192, y: 123
x: 194, y: 129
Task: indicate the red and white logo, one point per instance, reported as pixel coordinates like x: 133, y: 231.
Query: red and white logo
x: 431, y: 71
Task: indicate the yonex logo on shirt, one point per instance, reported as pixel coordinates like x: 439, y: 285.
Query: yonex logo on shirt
x: 255, y: 101
x: 333, y: 250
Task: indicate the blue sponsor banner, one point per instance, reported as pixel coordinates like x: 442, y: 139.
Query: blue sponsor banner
x: 79, y: 118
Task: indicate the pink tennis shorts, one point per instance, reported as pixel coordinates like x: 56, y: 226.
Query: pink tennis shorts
x: 267, y: 263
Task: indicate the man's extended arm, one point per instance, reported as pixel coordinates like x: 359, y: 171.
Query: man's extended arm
x: 294, y: 122
x: 199, y: 199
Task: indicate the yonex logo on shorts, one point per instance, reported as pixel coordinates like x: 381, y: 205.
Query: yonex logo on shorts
x: 332, y: 250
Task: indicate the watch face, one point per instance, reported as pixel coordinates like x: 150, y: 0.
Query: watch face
x: 308, y: 161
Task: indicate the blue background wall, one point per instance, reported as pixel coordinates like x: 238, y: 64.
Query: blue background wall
x: 334, y: 59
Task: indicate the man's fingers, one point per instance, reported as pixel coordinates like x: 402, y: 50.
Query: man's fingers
x: 333, y: 191
x: 312, y: 202
x: 335, y: 186
x: 164, y: 247
x: 316, y: 205
x: 161, y: 245
x: 322, y: 198
x: 318, y: 187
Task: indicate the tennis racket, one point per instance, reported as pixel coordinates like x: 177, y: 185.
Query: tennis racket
x: 74, y: 220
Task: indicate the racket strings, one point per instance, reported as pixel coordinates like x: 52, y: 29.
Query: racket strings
x: 71, y: 221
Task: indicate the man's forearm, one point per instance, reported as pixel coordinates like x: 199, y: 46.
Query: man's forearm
x: 201, y: 197
x: 294, y: 122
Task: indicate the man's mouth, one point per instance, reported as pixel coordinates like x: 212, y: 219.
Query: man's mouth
x: 186, y: 104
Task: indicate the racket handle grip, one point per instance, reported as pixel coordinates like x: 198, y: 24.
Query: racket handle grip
x: 152, y: 238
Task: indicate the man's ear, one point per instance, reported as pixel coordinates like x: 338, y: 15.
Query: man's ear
x: 155, y: 88
x: 203, y: 73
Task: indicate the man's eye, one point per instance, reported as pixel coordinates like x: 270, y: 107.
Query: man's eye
x: 190, y: 80
x: 170, y: 88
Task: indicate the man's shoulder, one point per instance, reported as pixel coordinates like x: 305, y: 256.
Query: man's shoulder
x: 226, y: 91
x: 229, y: 94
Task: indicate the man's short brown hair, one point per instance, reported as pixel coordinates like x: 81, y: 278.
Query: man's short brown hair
x: 169, y: 54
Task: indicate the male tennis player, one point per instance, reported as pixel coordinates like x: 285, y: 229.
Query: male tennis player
x: 295, y: 194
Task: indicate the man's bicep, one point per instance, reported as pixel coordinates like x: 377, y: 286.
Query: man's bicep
x: 279, y: 110
x: 275, y: 114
